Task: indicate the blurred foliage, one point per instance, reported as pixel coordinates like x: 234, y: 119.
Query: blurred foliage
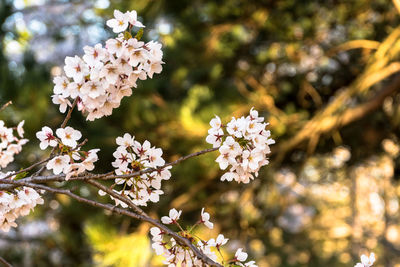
x: 112, y: 249
x: 323, y: 73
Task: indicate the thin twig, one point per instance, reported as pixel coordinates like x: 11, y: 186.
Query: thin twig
x: 63, y: 124
x: 118, y: 196
x: 5, y: 105
x: 4, y: 262
x: 28, y: 168
x: 105, y: 176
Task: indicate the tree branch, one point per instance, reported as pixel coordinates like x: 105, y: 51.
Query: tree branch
x: 321, y: 125
x: 5, y: 263
x: 180, y: 239
x: 105, y: 176
x: 5, y: 105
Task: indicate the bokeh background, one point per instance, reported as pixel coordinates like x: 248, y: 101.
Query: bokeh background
x: 324, y: 73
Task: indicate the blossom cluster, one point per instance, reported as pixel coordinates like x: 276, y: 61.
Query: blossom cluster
x: 243, y: 145
x: 366, y: 261
x: 71, y: 160
x: 176, y: 254
x: 104, y: 75
x: 132, y: 156
x: 10, y: 144
x: 15, y: 204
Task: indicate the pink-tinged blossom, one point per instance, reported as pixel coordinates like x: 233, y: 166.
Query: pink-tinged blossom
x: 215, y: 136
x: 16, y: 204
x: 63, y: 102
x: 94, y: 55
x: 10, y: 143
x: 20, y: 129
x: 46, y: 138
x: 60, y: 84
x: 131, y: 157
x: 127, y: 140
x: 131, y: 17
x: 73, y: 169
x: 205, y: 219
x: 243, y: 147
x: 240, y: 255
x: 176, y: 254
x: 220, y: 241
x: 107, y: 73
x: 216, y: 122
x: 154, y: 157
x: 172, y: 218
x: 58, y: 164
x: 76, y: 68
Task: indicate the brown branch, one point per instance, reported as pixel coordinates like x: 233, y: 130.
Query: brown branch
x: 4, y: 262
x: 5, y: 105
x: 105, y: 176
x: 29, y: 168
x: 68, y: 117
x: 63, y: 124
x: 181, y: 240
x: 116, y: 195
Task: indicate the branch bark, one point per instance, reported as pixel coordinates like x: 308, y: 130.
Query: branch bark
x: 143, y: 217
x: 105, y: 176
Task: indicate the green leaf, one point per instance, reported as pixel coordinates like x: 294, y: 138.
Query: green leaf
x: 21, y: 175
x: 139, y: 34
x: 127, y: 35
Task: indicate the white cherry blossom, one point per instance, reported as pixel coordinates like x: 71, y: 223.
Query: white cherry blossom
x: 172, y: 218
x: 58, y: 164
x: 46, y: 138
x: 131, y: 17
x: 69, y: 136
x: 205, y: 219
x: 220, y: 241
x: 76, y: 68
x: 243, y: 147
x: 240, y: 255
x: 106, y: 74
x: 119, y: 23
x: 10, y: 143
x: 366, y: 261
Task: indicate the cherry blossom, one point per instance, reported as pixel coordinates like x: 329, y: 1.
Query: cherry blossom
x: 220, y: 241
x: 104, y: 75
x: 172, y: 218
x: 46, y: 138
x: 205, y: 218
x: 240, y: 255
x: 132, y: 156
x: 69, y: 136
x: 178, y: 255
x: 366, y: 261
x: 244, y: 146
x: 131, y: 16
x: 15, y: 204
x: 10, y: 144
x: 119, y: 23
x: 58, y: 164
x: 76, y: 68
